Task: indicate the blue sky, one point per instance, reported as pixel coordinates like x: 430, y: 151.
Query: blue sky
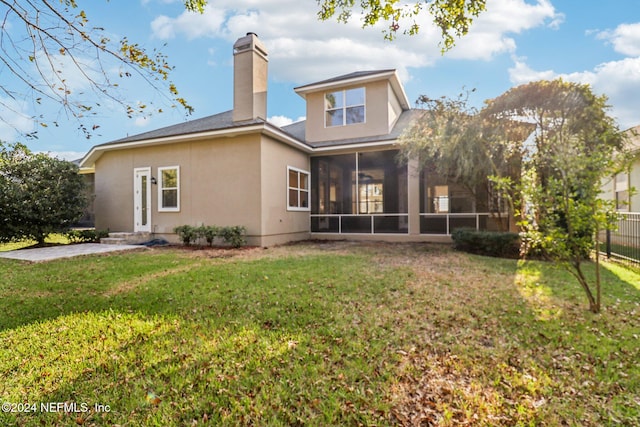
x: 513, y: 42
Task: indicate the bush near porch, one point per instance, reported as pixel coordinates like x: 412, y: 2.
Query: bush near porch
x: 232, y: 235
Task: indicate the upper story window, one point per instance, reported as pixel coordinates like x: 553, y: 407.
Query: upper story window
x: 344, y: 107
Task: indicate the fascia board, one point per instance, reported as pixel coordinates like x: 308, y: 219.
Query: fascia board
x: 95, y: 153
x: 89, y: 160
x: 304, y: 90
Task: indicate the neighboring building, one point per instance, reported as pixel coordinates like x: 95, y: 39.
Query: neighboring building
x: 625, y: 186
x: 331, y: 176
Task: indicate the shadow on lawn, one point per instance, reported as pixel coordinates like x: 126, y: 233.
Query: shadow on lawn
x: 288, y: 340
x: 514, y: 343
x: 403, y: 334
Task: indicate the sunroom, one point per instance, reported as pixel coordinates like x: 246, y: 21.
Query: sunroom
x: 370, y: 192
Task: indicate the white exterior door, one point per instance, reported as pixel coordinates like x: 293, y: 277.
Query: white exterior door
x: 142, y: 199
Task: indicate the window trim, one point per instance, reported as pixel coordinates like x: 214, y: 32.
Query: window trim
x: 345, y: 107
x: 299, y: 190
x: 161, y: 188
x: 621, y: 188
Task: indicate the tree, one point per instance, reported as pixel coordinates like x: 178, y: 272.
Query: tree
x: 453, y: 17
x: 453, y: 140
x: 572, y: 149
x: 39, y: 195
x: 44, y: 43
x: 545, y: 146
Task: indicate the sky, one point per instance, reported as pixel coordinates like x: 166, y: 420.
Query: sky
x: 513, y: 42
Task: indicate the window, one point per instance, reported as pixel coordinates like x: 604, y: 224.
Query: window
x: 622, y: 191
x: 344, y: 107
x: 298, y: 185
x: 169, y: 189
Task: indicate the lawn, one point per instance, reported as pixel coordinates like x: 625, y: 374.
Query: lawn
x: 314, y: 334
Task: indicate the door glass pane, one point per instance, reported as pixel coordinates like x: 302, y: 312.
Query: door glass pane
x: 143, y: 200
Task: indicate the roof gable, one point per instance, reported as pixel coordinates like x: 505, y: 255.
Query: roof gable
x: 357, y: 78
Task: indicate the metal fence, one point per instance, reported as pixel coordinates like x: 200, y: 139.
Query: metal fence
x: 624, y: 242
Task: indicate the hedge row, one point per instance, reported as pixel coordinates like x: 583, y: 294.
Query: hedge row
x: 86, y: 236
x: 489, y: 243
x: 234, y: 235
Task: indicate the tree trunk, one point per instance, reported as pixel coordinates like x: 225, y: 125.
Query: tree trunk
x: 594, y: 306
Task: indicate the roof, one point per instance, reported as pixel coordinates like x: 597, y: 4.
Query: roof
x: 222, y: 124
x: 359, y: 77
x: 215, y: 122
x: 403, y: 122
x: 355, y: 76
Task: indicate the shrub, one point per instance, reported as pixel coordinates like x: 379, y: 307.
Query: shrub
x: 233, y: 235
x: 187, y: 234
x: 86, y: 236
x: 39, y: 195
x: 489, y: 243
x: 208, y: 233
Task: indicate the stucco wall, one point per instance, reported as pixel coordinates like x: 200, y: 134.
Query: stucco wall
x: 219, y: 184
x: 280, y: 225
x: 114, y: 192
x: 634, y: 181
x: 224, y: 181
x: 376, y: 115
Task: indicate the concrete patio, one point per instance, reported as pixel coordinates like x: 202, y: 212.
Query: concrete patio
x: 65, y: 251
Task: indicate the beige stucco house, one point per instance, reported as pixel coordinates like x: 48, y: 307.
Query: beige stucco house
x: 334, y: 175
x: 624, y: 187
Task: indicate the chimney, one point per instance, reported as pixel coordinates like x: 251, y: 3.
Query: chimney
x: 249, y: 79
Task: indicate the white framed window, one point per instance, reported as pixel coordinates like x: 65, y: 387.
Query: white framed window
x: 344, y: 107
x: 622, y: 191
x: 297, y: 189
x: 169, y: 189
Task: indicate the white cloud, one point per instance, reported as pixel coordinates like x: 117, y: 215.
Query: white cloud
x: 192, y: 25
x: 303, y: 45
x: 488, y: 34
x: 618, y: 80
x: 142, y: 121
x: 283, y: 120
x: 64, y: 155
x: 521, y: 73
x: 625, y: 39
x: 14, y: 120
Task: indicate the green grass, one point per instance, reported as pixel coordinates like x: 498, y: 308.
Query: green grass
x: 53, y: 239
x: 337, y: 334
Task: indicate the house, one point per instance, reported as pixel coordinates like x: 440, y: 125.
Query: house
x: 332, y: 176
x: 624, y: 187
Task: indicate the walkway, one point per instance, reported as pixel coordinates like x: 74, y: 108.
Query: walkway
x: 64, y: 251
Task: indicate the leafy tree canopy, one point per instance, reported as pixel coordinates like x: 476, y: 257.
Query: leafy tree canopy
x: 39, y: 195
x: 44, y: 43
x: 453, y: 17
x: 546, y: 146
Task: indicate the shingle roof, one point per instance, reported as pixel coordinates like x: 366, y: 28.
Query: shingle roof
x: 215, y: 122
x: 405, y: 120
x: 355, y: 75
